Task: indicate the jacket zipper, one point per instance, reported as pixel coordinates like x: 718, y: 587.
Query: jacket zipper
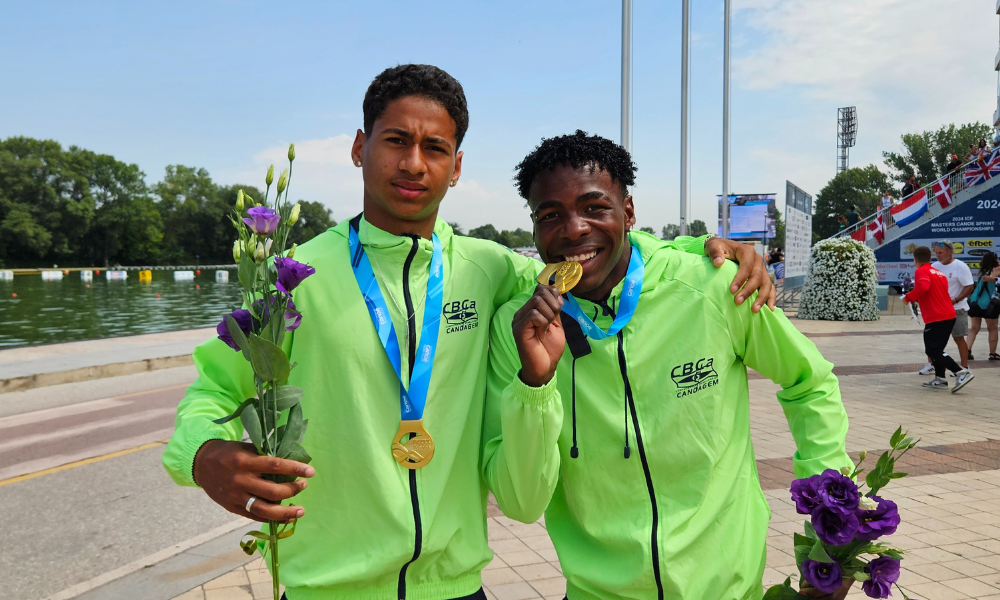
x: 623, y: 367
x: 411, y: 328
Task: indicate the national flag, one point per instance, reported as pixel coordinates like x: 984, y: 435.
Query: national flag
x: 877, y: 229
x: 909, y: 210
x: 983, y: 168
x: 859, y: 235
x: 942, y: 190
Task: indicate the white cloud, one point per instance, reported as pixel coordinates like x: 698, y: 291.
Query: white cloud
x: 323, y: 172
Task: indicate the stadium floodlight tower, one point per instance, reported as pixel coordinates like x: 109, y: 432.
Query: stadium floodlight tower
x: 847, y: 132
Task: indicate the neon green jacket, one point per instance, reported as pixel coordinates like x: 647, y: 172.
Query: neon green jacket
x: 374, y: 530
x: 662, y: 499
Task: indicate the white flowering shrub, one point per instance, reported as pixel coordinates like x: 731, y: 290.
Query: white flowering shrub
x: 841, y: 282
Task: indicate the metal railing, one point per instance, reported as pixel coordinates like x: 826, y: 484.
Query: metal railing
x: 956, y: 182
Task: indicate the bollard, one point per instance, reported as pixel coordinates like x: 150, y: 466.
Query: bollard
x: 145, y: 276
x: 86, y: 275
x: 222, y: 277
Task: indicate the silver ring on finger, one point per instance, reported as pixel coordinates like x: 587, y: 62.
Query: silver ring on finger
x: 250, y: 502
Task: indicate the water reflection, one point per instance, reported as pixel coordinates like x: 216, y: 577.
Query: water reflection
x: 71, y: 309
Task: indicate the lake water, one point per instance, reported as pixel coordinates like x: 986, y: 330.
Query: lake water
x: 59, y: 311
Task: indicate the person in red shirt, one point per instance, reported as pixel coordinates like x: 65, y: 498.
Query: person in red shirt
x: 930, y: 291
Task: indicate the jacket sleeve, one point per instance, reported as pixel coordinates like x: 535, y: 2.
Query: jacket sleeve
x: 225, y: 379
x: 921, y: 284
x: 691, y: 245
x: 521, y: 425
x: 810, y: 392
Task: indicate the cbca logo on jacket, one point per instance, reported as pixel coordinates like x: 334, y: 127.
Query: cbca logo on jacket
x: 460, y: 315
x: 693, y: 377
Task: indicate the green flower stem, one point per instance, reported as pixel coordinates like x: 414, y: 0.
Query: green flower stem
x: 272, y: 541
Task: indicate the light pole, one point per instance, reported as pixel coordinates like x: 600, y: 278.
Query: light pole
x: 626, y: 138
x: 725, y: 127
x: 685, y: 62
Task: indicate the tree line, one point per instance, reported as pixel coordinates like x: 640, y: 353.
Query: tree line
x: 924, y: 155
x: 75, y: 207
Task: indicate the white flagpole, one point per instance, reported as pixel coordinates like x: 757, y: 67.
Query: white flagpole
x: 685, y: 96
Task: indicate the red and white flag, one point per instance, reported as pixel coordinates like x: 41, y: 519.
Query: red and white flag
x: 942, y: 189
x: 859, y: 235
x: 877, y: 229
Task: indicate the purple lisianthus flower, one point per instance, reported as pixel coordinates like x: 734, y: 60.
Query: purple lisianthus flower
x: 804, y: 495
x: 834, y: 527
x: 291, y: 273
x: 292, y: 315
x: 825, y: 577
x: 873, y: 524
x: 884, y: 572
x: 837, y: 491
x: 262, y: 220
x: 243, y: 318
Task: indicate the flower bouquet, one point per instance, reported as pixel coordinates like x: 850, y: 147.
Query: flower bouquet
x: 268, y: 274
x: 841, y: 541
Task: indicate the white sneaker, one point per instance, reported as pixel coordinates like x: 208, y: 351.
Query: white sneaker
x: 937, y: 383
x: 963, y: 377
x: 927, y: 370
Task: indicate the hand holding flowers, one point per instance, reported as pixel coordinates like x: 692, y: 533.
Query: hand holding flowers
x: 840, y: 541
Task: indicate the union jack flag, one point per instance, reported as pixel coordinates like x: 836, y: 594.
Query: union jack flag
x: 983, y: 168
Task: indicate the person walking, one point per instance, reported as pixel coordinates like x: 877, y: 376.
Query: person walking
x: 983, y: 305
x: 960, y: 286
x: 930, y: 292
x: 852, y: 216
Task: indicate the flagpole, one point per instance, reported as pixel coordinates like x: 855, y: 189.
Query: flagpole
x: 626, y: 131
x: 685, y: 150
x: 725, y: 126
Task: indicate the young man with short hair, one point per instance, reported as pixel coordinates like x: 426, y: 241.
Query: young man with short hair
x: 651, y: 473
x: 931, y: 292
x: 380, y: 524
x: 960, y: 286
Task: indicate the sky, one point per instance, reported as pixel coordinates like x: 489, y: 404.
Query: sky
x: 227, y: 84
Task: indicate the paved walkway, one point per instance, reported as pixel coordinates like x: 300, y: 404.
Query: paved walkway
x: 951, y: 520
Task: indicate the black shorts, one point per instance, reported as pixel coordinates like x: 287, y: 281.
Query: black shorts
x: 990, y: 312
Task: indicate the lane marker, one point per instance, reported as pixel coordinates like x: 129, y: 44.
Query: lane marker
x: 152, y: 559
x: 129, y: 419
x: 77, y: 408
x: 159, y: 435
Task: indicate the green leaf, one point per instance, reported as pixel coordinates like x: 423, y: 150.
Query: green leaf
x: 238, y: 336
x: 785, y: 591
x: 247, y: 271
x: 269, y: 361
x: 236, y: 413
x: 810, y: 532
x: 260, y: 535
x: 893, y: 554
x: 295, y: 429
x: 801, y: 540
x: 898, y: 435
x: 288, y: 396
x: 251, y: 423
x: 297, y: 453
x: 897, y: 475
x: 861, y: 576
x: 818, y: 553
x: 903, y: 444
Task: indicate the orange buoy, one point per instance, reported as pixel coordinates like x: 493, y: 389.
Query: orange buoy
x: 14, y: 295
x: 97, y: 272
x: 88, y: 285
x: 157, y: 295
x: 197, y: 271
x: 197, y: 287
x: 65, y: 271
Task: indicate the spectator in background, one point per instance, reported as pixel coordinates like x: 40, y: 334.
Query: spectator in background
x: 842, y: 222
x: 983, y: 147
x: 953, y: 165
x: 909, y: 187
x: 972, y: 153
x: 887, y: 202
x: 852, y: 216
x: 983, y: 306
x: 776, y: 256
x: 960, y: 286
x: 930, y: 291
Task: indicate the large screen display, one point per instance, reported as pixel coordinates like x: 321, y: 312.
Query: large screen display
x: 751, y: 216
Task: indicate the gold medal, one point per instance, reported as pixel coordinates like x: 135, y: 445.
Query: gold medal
x: 418, y: 451
x: 567, y: 274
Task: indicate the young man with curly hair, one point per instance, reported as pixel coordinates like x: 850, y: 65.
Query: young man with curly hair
x: 381, y: 517
x: 651, y: 471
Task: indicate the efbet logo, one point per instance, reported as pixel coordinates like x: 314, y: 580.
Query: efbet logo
x: 693, y: 377
x: 460, y: 315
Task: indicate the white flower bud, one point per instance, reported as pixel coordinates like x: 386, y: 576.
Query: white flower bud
x: 867, y: 503
x: 863, y: 455
x: 270, y: 175
x: 260, y: 254
x: 236, y: 251
x: 282, y: 181
x: 291, y: 152
x: 294, y: 215
x: 291, y: 251
x: 845, y: 471
x: 239, y: 201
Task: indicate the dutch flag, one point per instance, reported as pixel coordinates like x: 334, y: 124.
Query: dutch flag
x: 909, y: 210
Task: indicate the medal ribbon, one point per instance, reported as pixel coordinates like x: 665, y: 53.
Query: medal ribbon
x: 626, y: 308
x: 411, y: 402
